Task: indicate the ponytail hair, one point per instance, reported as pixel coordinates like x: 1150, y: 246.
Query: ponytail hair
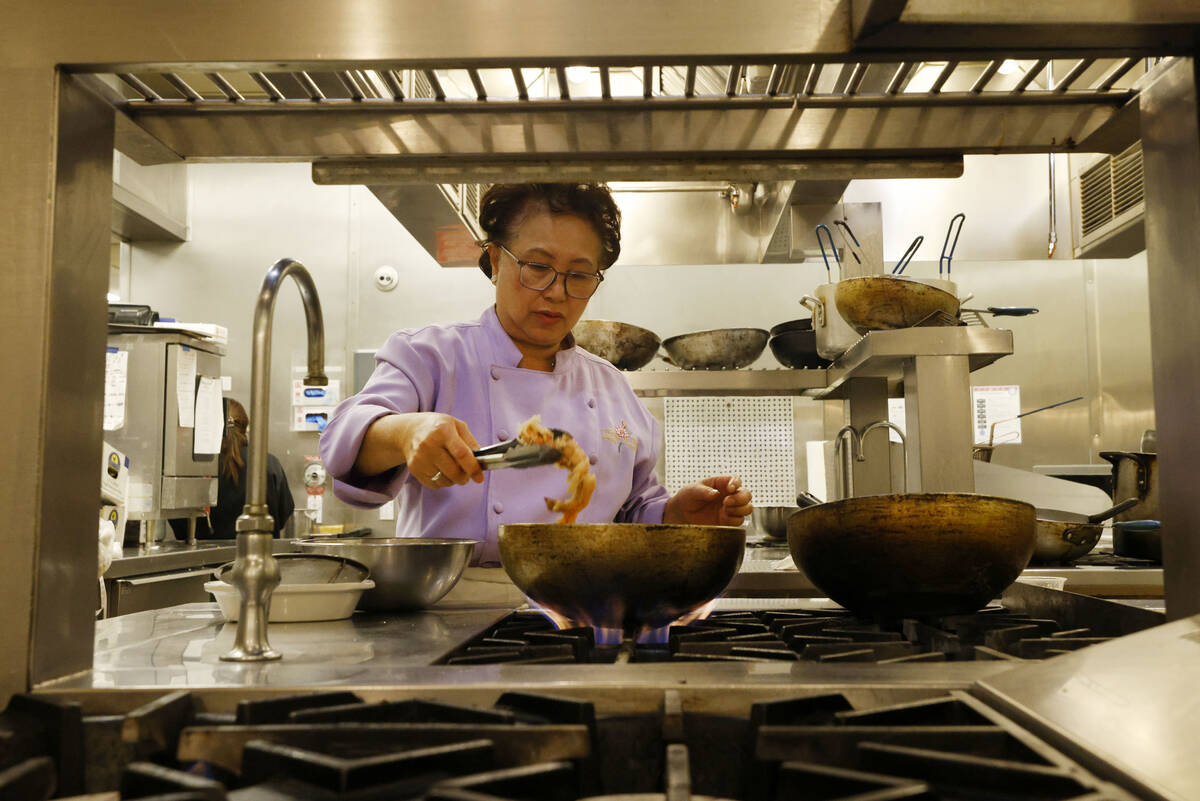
x: 236, y: 424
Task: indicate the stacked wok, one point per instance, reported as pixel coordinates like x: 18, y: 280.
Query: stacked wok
x: 628, y: 347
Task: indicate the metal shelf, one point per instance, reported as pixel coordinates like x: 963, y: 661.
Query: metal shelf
x: 885, y: 354
x: 879, y: 354
x: 658, y: 383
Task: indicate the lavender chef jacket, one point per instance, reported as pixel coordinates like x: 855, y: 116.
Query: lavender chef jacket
x: 469, y: 371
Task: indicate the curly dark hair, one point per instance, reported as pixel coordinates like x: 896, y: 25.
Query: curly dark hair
x: 504, y: 204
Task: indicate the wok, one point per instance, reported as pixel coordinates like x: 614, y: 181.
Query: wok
x: 628, y: 347
x: 621, y: 575
x: 878, y: 302
x: 794, y: 345
x: 932, y: 554
x: 720, y: 349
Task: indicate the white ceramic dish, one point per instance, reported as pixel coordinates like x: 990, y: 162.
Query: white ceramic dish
x: 297, y: 603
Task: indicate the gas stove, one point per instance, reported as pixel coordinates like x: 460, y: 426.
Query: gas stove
x: 789, y: 635
x: 767, y: 698
x: 336, y: 745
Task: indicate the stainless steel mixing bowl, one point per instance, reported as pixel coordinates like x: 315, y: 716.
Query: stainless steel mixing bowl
x: 772, y: 520
x: 410, y: 573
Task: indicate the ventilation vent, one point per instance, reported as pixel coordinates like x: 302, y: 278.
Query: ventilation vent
x: 1110, y: 188
x: 1127, y: 187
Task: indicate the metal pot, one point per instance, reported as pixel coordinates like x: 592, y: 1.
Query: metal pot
x: 880, y: 302
x: 628, y: 347
x: 834, y: 334
x: 772, y: 520
x: 719, y: 349
x: 895, y: 556
x: 410, y: 573
x: 1135, y: 475
x: 621, y: 575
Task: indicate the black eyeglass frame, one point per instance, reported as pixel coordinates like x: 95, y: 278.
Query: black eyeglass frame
x: 598, y: 276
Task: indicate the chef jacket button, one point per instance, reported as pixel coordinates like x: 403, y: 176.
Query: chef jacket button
x: 502, y: 434
x: 498, y: 508
x: 592, y: 459
x: 591, y: 403
x: 495, y: 374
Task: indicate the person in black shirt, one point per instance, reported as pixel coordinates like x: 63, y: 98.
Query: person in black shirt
x: 231, y: 483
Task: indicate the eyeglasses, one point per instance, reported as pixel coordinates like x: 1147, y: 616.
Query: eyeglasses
x: 540, y: 277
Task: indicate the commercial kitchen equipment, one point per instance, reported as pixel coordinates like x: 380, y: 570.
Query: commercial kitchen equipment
x: 275, y: 95
x: 169, y: 474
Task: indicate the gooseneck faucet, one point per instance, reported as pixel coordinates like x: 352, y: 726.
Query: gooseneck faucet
x: 255, y: 572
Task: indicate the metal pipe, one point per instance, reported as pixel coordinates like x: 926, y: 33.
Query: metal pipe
x: 898, y: 78
x: 309, y: 85
x: 857, y: 73
x: 942, y: 77
x: 183, y: 86
x: 810, y: 83
x: 225, y: 86
x: 903, y: 444
x: 519, y: 80
x: 1022, y: 84
x: 846, y: 480
x: 777, y: 71
x: 140, y: 86
x: 647, y: 81
x: 255, y: 573
x: 477, y: 82
x: 435, y: 85
x: 267, y: 85
x: 1118, y: 72
x: 392, y: 79
x: 1073, y: 75
x: 605, y: 84
x: 689, y: 81
x: 731, y: 81
x: 988, y: 73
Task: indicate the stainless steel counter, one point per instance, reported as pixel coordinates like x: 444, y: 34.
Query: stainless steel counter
x: 174, y: 555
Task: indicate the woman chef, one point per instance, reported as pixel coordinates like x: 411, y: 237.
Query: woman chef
x: 439, y: 391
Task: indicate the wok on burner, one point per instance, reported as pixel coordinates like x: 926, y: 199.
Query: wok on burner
x: 624, y: 576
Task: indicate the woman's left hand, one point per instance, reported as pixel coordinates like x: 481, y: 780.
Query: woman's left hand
x: 716, y: 501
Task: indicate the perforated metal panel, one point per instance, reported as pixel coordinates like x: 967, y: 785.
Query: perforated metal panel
x: 751, y: 437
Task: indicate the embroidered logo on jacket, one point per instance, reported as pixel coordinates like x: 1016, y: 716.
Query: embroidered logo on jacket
x: 620, y: 436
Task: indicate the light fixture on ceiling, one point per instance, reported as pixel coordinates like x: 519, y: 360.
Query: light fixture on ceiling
x: 578, y: 74
x: 113, y: 297
x: 1009, y: 66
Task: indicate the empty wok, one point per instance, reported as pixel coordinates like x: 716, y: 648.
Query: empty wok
x: 622, y: 576
x: 880, y: 302
x: 628, y: 347
x: 719, y: 349
x: 794, y: 344
x: 931, y: 554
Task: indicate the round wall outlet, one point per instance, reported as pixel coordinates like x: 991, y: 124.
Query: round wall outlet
x: 314, y: 475
x: 386, y: 278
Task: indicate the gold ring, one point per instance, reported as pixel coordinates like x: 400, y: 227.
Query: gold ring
x: 436, y: 477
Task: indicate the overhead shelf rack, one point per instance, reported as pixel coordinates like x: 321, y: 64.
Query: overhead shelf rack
x: 653, y: 117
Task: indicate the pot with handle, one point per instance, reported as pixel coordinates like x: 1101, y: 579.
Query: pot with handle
x: 1135, y: 475
x: 834, y: 334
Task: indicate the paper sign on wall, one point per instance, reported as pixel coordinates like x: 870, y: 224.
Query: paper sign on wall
x: 185, y: 386
x: 999, y: 405
x: 210, y: 417
x: 116, y: 370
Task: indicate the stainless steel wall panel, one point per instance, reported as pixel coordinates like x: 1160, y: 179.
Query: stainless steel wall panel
x: 65, y: 590
x: 26, y: 162
x: 319, y: 32
x: 1171, y: 155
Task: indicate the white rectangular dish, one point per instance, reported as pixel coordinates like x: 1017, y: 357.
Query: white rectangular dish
x: 297, y: 603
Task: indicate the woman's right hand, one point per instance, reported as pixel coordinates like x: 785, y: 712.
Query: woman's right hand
x: 432, y: 445
x: 438, y: 443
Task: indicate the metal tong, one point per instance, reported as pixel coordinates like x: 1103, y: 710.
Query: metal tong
x: 512, y: 453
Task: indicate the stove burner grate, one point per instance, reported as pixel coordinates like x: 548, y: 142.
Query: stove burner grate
x: 831, y: 635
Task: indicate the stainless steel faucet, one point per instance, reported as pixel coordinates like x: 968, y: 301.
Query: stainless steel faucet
x: 844, y: 458
x: 255, y: 572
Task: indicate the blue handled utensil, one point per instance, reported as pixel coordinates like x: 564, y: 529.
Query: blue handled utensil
x: 908, y: 255
x: 948, y: 246
x: 837, y: 259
